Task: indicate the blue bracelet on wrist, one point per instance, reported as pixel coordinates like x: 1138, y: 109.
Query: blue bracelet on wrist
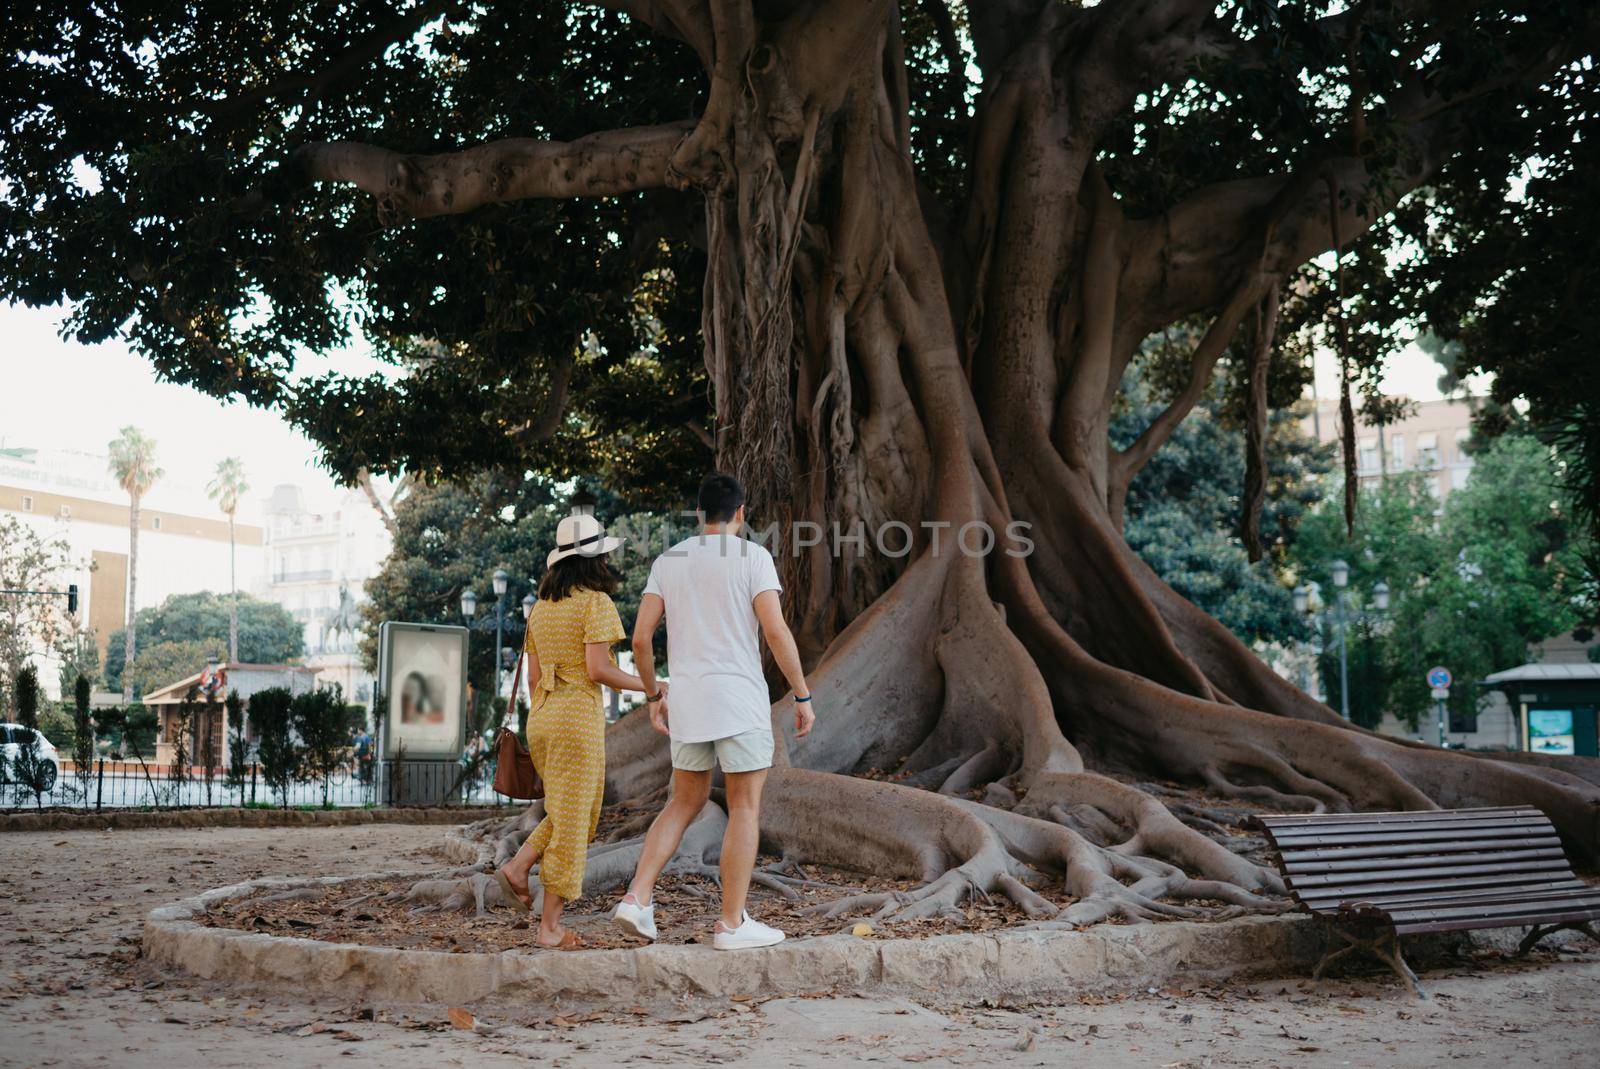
x: 807, y: 698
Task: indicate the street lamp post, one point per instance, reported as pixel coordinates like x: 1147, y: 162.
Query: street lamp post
x: 1341, y: 579
x: 500, y: 579
x: 1339, y: 571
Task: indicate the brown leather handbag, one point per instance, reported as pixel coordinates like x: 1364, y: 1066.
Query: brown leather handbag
x: 514, y: 774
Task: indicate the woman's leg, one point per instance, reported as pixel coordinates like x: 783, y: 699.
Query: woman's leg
x: 533, y: 847
x: 574, y: 787
x: 550, y: 930
x: 521, y: 863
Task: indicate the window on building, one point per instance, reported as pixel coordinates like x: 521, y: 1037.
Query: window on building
x: 155, y: 522
x: 1461, y: 437
x: 1427, y: 450
x: 1397, y: 452
x: 27, y: 502
x: 1459, y: 477
x: 66, y: 512
x: 1367, y: 454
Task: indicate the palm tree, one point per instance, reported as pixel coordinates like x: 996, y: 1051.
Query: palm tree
x: 133, y: 465
x: 225, y: 489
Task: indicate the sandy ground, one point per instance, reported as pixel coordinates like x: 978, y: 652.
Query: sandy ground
x: 72, y: 993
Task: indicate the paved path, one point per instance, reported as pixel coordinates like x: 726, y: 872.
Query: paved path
x: 71, y: 905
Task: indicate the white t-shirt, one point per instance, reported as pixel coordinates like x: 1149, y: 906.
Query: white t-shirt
x: 709, y: 583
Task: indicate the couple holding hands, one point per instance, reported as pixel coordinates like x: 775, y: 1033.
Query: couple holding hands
x: 719, y: 594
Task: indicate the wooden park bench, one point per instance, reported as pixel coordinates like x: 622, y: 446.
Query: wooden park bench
x: 1375, y: 877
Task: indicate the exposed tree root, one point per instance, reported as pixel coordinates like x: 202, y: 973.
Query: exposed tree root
x: 962, y: 850
x: 610, y: 865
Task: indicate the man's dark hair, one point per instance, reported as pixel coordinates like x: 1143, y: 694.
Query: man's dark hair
x: 720, y: 497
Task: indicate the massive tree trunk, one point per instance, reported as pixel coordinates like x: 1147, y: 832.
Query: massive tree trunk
x: 875, y: 366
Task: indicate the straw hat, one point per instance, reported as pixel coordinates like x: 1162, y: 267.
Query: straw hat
x: 583, y: 534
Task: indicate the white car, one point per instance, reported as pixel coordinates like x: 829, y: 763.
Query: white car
x: 10, y: 747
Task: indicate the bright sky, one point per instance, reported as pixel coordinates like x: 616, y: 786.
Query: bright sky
x: 58, y: 394
x: 1410, y: 373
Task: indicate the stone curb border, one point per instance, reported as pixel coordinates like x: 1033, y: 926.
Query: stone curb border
x: 124, y: 820
x: 1016, y: 965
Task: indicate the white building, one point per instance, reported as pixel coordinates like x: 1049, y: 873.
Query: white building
x: 1432, y: 440
x: 183, y: 539
x: 318, y: 561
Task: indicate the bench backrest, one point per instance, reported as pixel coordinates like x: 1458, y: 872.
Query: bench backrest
x: 1401, y: 863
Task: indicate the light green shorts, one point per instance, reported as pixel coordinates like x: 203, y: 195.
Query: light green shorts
x: 750, y: 751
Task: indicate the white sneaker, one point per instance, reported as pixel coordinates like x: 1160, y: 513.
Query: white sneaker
x: 749, y: 935
x: 637, y: 921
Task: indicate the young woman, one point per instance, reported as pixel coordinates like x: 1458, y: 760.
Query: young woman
x: 570, y: 633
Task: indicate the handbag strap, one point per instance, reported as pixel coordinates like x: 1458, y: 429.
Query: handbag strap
x: 516, y: 684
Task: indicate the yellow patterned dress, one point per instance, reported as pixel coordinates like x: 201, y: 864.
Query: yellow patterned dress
x: 567, y: 732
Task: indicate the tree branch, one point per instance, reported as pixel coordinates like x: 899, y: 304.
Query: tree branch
x: 945, y: 27
x: 364, y: 480
x: 1190, y: 259
x: 1206, y: 354
x: 598, y: 165
x: 699, y: 431
x: 684, y: 20
x: 998, y: 26
x: 547, y: 416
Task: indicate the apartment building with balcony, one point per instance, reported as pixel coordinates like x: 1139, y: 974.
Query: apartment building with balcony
x: 318, y: 561
x: 183, y: 537
x: 1432, y: 440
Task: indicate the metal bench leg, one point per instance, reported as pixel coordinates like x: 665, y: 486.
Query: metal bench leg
x: 1385, y: 947
x: 1539, y: 931
x: 1333, y: 955
x: 1388, y: 949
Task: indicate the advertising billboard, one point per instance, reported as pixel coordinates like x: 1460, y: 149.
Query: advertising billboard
x: 422, y: 674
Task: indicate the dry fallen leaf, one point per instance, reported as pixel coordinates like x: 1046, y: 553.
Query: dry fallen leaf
x: 460, y: 1018
x: 862, y: 929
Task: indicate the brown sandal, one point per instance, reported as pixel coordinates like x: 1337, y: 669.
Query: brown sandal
x: 570, y: 940
x: 518, y: 903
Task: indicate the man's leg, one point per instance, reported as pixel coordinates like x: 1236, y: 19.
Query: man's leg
x: 740, y: 842
x: 690, y: 791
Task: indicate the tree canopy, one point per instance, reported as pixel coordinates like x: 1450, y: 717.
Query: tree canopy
x: 1183, y: 510
x: 268, y: 634
x: 155, y: 180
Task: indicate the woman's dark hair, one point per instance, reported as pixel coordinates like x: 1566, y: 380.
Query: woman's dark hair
x: 578, y: 572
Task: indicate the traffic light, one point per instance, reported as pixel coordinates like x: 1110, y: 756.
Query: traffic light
x: 72, y: 598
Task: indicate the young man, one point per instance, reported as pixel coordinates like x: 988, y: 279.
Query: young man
x: 716, y: 589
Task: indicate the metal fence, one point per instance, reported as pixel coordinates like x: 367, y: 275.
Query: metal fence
x: 127, y: 785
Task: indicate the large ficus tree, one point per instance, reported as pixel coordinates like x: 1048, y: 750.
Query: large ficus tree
x: 888, y: 263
